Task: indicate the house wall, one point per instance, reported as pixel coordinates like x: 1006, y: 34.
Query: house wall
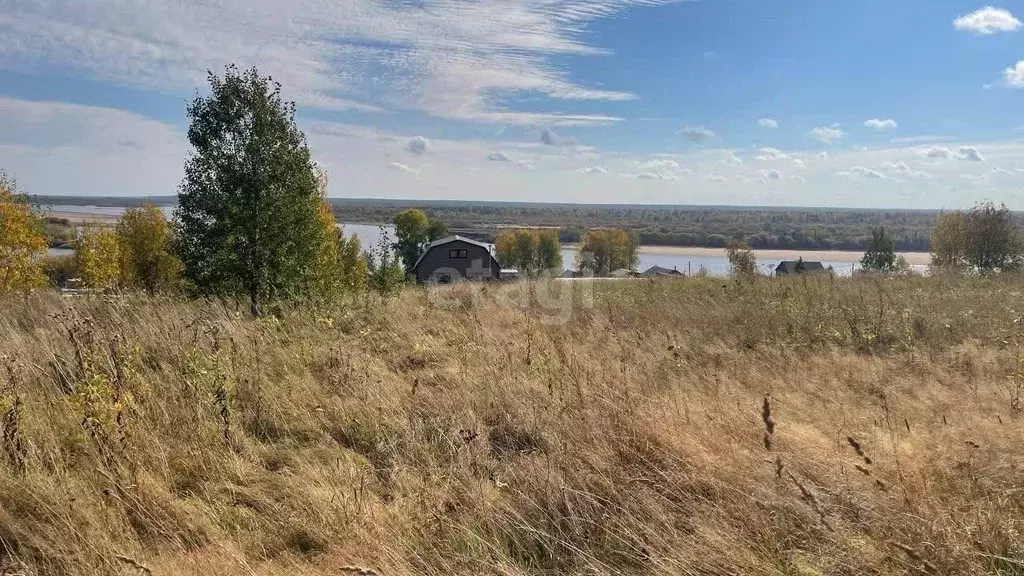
x: 479, y: 263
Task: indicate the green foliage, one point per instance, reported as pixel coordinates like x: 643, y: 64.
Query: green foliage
x: 98, y: 258
x: 604, y: 251
x: 146, y: 260
x: 353, y: 265
x: 881, y: 252
x: 993, y: 239
x: 985, y: 238
x: 530, y: 251
x: 742, y: 262
x: 386, y: 276
x: 247, y: 213
x: 949, y: 241
x: 414, y: 230
x: 21, y: 241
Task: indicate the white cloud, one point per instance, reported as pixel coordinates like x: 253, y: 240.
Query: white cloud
x: 827, y: 135
x: 798, y: 178
x: 92, y: 147
x: 699, y: 134
x: 593, y: 170
x: 729, y: 158
x: 938, y: 152
x: 767, y: 175
x: 454, y: 60
x: 768, y: 154
x: 399, y: 167
x: 881, y: 125
x: 661, y: 169
x: 660, y: 164
x: 1014, y: 75
x: 970, y: 154
x: 902, y: 169
x: 823, y: 155
x: 498, y: 156
x: 799, y: 164
x: 58, y: 148
x: 767, y: 123
x: 417, y: 145
x: 718, y: 179
x: 861, y: 172
x: 988, y: 20
x: 548, y: 137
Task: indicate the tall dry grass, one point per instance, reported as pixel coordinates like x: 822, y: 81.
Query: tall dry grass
x: 803, y: 426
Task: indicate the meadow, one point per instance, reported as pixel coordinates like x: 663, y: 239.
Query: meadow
x: 803, y: 426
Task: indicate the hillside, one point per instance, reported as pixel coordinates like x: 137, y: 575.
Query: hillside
x: 625, y: 433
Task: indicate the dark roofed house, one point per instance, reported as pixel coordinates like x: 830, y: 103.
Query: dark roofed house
x: 456, y: 258
x: 623, y: 273
x: 798, y: 267
x: 659, y: 272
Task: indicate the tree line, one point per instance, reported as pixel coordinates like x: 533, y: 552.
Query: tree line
x: 713, y: 227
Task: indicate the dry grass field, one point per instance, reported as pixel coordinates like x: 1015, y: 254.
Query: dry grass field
x: 806, y: 427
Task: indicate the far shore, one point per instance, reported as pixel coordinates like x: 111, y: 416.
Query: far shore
x: 913, y: 258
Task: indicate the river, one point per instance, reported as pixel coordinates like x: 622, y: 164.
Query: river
x: 689, y: 260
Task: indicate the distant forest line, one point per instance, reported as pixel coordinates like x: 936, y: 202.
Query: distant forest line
x: 697, y: 226
x: 658, y: 225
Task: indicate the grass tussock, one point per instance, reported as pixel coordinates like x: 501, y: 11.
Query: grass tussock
x: 801, y: 427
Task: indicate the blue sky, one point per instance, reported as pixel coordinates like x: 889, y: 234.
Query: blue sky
x: 913, y: 104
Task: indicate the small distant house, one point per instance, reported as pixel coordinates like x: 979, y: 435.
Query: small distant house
x: 456, y: 258
x: 798, y: 267
x: 623, y: 273
x: 660, y: 272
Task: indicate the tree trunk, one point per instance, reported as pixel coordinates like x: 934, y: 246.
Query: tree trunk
x: 254, y: 303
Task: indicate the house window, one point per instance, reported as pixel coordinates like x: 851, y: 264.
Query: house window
x: 458, y: 254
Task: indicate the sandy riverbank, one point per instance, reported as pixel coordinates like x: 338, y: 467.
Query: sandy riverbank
x: 913, y: 258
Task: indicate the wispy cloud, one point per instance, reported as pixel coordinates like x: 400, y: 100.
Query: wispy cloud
x: 921, y: 139
x: 399, y: 167
x: 827, y: 134
x: 698, y: 134
x: 768, y: 154
x: 453, y: 60
x: 767, y: 123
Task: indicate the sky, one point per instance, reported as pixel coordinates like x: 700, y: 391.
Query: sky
x: 863, y: 104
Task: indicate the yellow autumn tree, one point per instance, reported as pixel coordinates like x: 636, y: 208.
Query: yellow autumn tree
x: 22, y: 242
x: 146, y: 262
x: 340, y: 265
x: 353, y: 266
x: 98, y: 257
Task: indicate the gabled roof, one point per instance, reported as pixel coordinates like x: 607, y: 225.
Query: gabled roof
x: 622, y: 273
x: 449, y: 240
x: 789, y: 266
x: 661, y: 271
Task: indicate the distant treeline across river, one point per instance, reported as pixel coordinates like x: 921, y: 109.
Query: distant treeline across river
x: 763, y: 228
